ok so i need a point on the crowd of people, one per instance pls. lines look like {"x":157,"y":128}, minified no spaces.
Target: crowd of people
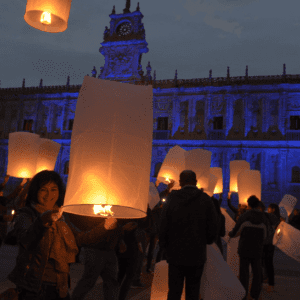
{"x":181,"y":224}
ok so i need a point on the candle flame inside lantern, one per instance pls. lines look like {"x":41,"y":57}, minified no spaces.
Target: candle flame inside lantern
{"x":46,"y":18}
{"x":103,"y":210}
{"x":167,"y":179}
{"x":163,"y":200}
{"x":278,"y":231}
{"x":12,"y":212}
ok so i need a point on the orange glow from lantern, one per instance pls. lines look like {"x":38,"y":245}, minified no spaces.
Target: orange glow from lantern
{"x":164,"y":200}
{"x":46,"y":18}
{"x":12,"y":212}
{"x":103,"y":210}
{"x":236,"y":166}
{"x":278,"y":231}
{"x":218,"y":173}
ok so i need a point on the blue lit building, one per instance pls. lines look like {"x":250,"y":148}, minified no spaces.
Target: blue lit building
{"x":249,"y":117}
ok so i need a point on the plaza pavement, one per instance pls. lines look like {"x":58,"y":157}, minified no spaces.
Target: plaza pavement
{"x":287,"y":278}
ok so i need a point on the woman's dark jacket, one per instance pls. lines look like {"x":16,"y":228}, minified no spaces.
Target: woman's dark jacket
{"x":34,"y":248}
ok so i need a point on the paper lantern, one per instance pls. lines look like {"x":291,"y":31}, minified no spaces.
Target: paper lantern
{"x":23,"y":150}
{"x":249,"y":183}
{"x":153,"y":195}
{"x":198,"y":160}
{"x":218,"y":173}
{"x":236,"y":166}
{"x":211,"y":184}
{"x":288,"y":202}
{"x":172,"y":166}
{"x":111,"y":146}
{"x":48,"y":15}
{"x":287,"y":239}
{"x":283,"y":213}
{"x":48,"y":152}
{"x":202,"y":182}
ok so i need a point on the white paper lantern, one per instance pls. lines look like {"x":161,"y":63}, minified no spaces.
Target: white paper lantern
{"x":172,"y":166}
{"x":249,"y":183}
{"x":236,"y":166}
{"x":23,"y":149}
{"x":218,"y":173}
{"x":202,"y":182}
{"x":153,"y":195}
{"x":287,"y":239}
{"x":288,"y":202}
{"x":49,"y":16}
{"x":283,"y":213}
{"x":211,"y":184}
{"x":48,"y":152}
{"x":111,"y":146}
{"x":198,"y":160}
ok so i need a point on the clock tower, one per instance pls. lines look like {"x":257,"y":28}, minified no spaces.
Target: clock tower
{"x":123,"y":46}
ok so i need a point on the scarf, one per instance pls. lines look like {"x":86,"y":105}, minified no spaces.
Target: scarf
{"x":63,"y":249}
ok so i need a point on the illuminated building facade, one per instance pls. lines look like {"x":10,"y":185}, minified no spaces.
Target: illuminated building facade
{"x":254,"y":118}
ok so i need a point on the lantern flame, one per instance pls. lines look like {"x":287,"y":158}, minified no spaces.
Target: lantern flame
{"x":46,"y":18}
{"x":168,"y":180}
{"x":12,"y":212}
{"x":103,"y":210}
{"x":278,"y":231}
{"x":164,"y":200}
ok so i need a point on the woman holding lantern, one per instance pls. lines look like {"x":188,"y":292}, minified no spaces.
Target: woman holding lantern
{"x":47,"y":244}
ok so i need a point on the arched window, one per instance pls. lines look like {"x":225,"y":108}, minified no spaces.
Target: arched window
{"x":296,"y":174}
{"x":157,"y":168}
{"x":66,"y":168}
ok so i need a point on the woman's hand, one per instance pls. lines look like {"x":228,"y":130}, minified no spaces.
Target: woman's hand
{"x":122,"y":246}
{"x":140,"y":247}
{"x":229,"y":195}
{"x":48,"y":217}
{"x":110,"y":223}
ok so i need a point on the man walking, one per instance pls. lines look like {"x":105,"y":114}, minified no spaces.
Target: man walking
{"x":188,"y":224}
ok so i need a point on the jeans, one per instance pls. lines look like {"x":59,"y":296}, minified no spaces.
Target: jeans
{"x":192,"y":276}
{"x":256,"y":266}
{"x":268,"y":256}
{"x":98,"y":263}
{"x":47,"y":292}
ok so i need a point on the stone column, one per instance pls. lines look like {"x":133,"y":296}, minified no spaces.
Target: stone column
{"x":175,"y":113}
{"x":265,"y":114}
{"x":229,"y":112}
{"x":283,"y":182}
{"x":207,"y":113}
{"x":192,"y":114}
{"x":51,"y":117}
{"x":282,"y":103}
{"x":247,"y":113}
{"x":20,"y":115}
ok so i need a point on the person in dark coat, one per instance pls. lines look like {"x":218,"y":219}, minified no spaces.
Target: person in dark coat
{"x":252,"y":229}
{"x":221,"y":224}
{"x":295,"y":220}
{"x":188,"y":225}
{"x":47,"y":243}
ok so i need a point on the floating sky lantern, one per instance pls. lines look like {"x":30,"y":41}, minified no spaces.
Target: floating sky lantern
{"x":23,"y":150}
{"x":48,"y":152}
{"x":211,"y":184}
{"x":198,"y":160}
{"x":153,"y":195}
{"x":236,"y":166}
{"x":288,"y":202}
{"x":287,"y":239}
{"x":111,"y":146}
{"x":172,"y":166}
{"x":249,"y":183}
{"x":48,"y":15}
{"x":218,"y":173}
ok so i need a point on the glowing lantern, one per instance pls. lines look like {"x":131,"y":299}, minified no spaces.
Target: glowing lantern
{"x":198,"y":160}
{"x":202,"y":182}
{"x":236,"y":166}
{"x":288,"y":202}
{"x":218,"y":173}
{"x":172,"y":166}
{"x":23,"y":149}
{"x":249,"y":183}
{"x":111,"y":146}
{"x":153,"y":195}
{"x":287,"y":239}
{"x":283,"y":213}
{"x":48,"y":152}
{"x":48,"y":15}
{"x":211,"y":184}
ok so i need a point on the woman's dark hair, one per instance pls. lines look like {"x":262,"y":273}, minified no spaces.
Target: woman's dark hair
{"x":276,"y":208}
{"x":262,"y":205}
{"x":253,"y":201}
{"x":39,"y":180}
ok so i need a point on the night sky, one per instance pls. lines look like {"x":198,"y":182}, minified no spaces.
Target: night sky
{"x":192,"y":36}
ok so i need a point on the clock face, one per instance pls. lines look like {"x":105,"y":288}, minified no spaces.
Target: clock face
{"x":124,"y":29}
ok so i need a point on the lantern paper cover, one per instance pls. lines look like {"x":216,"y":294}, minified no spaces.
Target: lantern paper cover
{"x":212,"y":183}
{"x":111,"y":146}
{"x":58,"y":9}
{"x":217,"y":281}
{"x":23,"y":150}
{"x":288,"y":202}
{"x":198,"y":160}
{"x":236,"y":166}
{"x":287,"y":239}
{"x":283,"y":213}
{"x":249,"y":183}
{"x":218,"y":173}
{"x":48,"y":152}
{"x":153,"y":195}
{"x":173,"y":165}
{"x":203,"y":182}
